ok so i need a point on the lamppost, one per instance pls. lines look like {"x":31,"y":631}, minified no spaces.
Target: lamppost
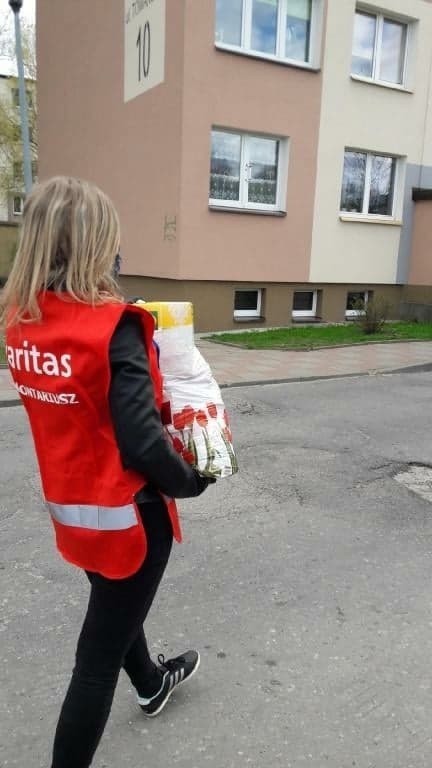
{"x":16,"y":6}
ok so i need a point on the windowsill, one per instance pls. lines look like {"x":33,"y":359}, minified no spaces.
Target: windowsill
{"x":267,"y":57}
{"x":359,"y":218}
{"x":254,"y":211}
{"x":381,"y":83}
{"x":251,"y":319}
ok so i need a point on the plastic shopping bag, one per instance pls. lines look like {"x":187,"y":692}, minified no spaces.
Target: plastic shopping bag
{"x":195,"y":416}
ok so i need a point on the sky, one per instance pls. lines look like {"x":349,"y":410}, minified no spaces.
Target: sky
{"x":27,"y":12}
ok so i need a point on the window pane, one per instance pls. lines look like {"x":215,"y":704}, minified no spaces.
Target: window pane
{"x":246,"y":301}
{"x":263,"y":166}
{"x":356,"y":301}
{"x":363,"y":44}
{"x":393,"y":52}
{"x":18,"y":170}
{"x":17,"y":205}
{"x":353,"y":182}
{"x":225,"y":166}
{"x":264,"y":25}
{"x":298,"y":23}
{"x":382,"y":183}
{"x":229,"y":21}
{"x":303,"y":301}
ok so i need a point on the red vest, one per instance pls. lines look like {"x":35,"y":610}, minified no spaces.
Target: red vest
{"x":60,"y":367}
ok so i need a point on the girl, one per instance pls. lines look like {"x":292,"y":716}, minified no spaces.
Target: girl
{"x":85,"y":366}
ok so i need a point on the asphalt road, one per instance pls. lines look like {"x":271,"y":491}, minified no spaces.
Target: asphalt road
{"x":305,"y":581}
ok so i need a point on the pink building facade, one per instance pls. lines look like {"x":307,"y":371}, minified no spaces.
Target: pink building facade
{"x":209,"y":124}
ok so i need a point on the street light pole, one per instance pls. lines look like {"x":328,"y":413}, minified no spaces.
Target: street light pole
{"x":16,"y":6}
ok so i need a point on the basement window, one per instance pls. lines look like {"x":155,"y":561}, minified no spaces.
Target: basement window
{"x":247,"y":303}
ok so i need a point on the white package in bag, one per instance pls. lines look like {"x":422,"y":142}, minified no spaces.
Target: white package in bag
{"x":195,"y":416}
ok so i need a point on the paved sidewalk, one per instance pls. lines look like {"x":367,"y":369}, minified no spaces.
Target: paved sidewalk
{"x":232,"y":366}
{"x":240,"y":366}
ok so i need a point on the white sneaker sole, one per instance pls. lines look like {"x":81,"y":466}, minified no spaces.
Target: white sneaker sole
{"x":165,"y":701}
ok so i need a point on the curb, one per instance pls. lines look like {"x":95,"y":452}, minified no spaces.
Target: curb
{"x":11,"y":403}
{"x":418,"y":368}
{"x":316,"y":349}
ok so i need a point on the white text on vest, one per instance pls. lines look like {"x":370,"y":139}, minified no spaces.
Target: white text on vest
{"x":30,"y":359}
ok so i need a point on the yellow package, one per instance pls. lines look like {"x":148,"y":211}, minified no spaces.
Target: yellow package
{"x":169,"y":314}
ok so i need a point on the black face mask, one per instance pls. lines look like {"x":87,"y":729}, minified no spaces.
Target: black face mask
{"x":116,"y":266}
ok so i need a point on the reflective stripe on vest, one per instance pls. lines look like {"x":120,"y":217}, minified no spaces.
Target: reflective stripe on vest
{"x":93,"y":517}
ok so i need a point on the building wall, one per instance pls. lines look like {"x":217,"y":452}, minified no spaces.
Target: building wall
{"x":235,"y":91}
{"x":420,"y":273}
{"x":152,"y":155}
{"x":375,"y":118}
{"x":5,"y":96}
{"x":4,"y":210}
{"x":416,"y":176}
{"x":213,"y":300}
{"x":11,"y":187}
{"x":132,"y":150}
{"x":8,"y":241}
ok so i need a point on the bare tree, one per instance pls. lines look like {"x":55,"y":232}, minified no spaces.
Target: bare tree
{"x":11,"y":153}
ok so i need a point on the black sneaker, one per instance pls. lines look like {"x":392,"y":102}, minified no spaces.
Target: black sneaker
{"x":175,"y":672}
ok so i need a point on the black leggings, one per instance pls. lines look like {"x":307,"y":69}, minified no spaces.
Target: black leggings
{"x":112,"y":637}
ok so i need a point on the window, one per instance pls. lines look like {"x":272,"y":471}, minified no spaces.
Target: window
{"x":304,"y":303}
{"x":279,"y":29}
{"x":246,"y":171}
{"x":247,"y":303}
{"x":18,"y":170}
{"x":16,"y":98}
{"x":356,"y":302}
{"x":17,"y":205}
{"x":368,"y":184}
{"x":379,"y":48}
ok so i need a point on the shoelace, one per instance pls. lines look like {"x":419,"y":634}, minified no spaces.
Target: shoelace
{"x":171,"y":664}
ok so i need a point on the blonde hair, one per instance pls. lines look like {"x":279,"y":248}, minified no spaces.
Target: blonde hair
{"x":69,"y":239}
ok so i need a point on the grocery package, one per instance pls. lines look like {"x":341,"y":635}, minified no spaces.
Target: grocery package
{"x":194,"y":414}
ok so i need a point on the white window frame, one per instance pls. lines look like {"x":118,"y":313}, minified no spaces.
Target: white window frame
{"x":282,"y":170}
{"x":245,"y":48}
{"x":14,"y":211}
{"x":376,"y":64}
{"x":364,"y":213}
{"x":249,"y":312}
{"x":357,"y":312}
{"x":306,"y":312}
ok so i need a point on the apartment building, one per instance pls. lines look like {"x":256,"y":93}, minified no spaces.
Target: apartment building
{"x":262,"y":154}
{"x":11,"y":164}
